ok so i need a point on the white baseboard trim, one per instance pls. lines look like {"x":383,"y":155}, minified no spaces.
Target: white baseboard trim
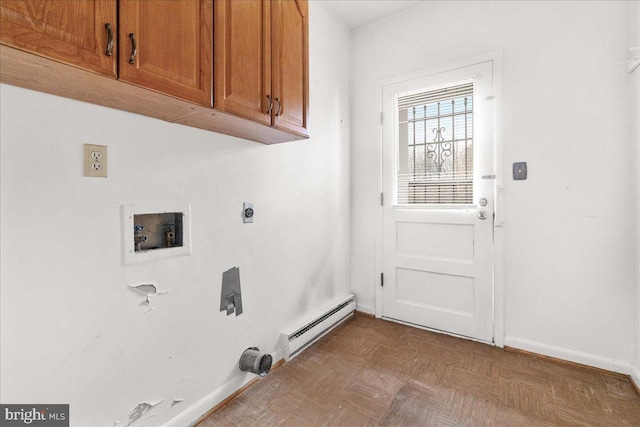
{"x":365,"y":308}
{"x":192,"y":414}
{"x":189,"y":416}
{"x":277,"y":356}
{"x":569,"y":355}
{"x":635,"y":376}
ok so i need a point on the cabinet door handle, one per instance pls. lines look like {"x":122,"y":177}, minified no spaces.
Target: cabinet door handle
{"x":270,"y":105}
{"x":134,"y":48}
{"x":279,"y":107}
{"x":109,"y":39}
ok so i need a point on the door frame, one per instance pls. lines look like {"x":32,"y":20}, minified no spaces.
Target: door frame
{"x":496,"y":57}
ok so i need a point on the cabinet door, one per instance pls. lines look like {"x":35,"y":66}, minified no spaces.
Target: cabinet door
{"x":242,"y":77}
{"x":166,"y":46}
{"x":69,"y":31}
{"x":290,"y":80}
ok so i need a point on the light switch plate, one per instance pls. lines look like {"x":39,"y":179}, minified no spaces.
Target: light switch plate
{"x":520,"y":171}
{"x":95,"y":160}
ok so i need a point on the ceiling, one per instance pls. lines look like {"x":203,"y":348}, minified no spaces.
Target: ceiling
{"x":357,"y":13}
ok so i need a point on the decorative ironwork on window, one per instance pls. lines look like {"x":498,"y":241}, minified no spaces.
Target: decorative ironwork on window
{"x":435,"y":146}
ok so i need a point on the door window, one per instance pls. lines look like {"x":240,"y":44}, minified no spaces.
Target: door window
{"x":435,"y":146}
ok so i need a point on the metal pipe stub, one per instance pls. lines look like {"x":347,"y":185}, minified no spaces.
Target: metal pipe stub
{"x":255,"y":362}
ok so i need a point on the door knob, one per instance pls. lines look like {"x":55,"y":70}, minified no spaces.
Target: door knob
{"x":483,"y":215}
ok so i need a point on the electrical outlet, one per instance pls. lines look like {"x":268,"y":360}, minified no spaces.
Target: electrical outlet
{"x":95,"y":160}
{"x":247,"y":212}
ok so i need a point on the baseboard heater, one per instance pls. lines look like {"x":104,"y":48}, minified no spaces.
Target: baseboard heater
{"x":301,"y":337}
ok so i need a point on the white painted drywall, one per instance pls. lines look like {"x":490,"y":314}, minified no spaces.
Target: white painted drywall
{"x":634,"y":41}
{"x":71,"y":330}
{"x":568,"y":263}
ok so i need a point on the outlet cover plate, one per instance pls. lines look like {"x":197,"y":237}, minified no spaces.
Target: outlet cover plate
{"x":247,"y":212}
{"x":95,"y":160}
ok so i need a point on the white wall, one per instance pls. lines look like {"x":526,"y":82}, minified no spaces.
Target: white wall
{"x":567,"y":246}
{"x":634,"y":41}
{"x":72,"y":332}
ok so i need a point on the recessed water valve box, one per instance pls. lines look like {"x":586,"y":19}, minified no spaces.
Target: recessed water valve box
{"x":155,"y":231}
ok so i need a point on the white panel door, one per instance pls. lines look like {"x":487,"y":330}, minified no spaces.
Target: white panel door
{"x":438,"y":210}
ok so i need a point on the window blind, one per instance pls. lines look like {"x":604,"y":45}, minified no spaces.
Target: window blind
{"x":433,"y":96}
{"x":435,"y":146}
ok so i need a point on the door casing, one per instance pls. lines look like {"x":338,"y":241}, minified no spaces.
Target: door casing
{"x":496,"y":57}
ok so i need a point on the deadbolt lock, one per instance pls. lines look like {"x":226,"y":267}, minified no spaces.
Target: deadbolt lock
{"x":482,"y":202}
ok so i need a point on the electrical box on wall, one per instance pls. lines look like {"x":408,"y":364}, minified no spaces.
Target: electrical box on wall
{"x":155,"y":231}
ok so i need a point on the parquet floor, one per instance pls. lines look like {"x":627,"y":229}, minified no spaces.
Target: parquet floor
{"x":371,"y":372}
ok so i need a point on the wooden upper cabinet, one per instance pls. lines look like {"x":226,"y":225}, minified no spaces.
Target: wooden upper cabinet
{"x":290,"y":64}
{"x":171,"y":56}
{"x":242,"y":77}
{"x":167,"y":46}
{"x":261,"y":61}
{"x":70,"y":31}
